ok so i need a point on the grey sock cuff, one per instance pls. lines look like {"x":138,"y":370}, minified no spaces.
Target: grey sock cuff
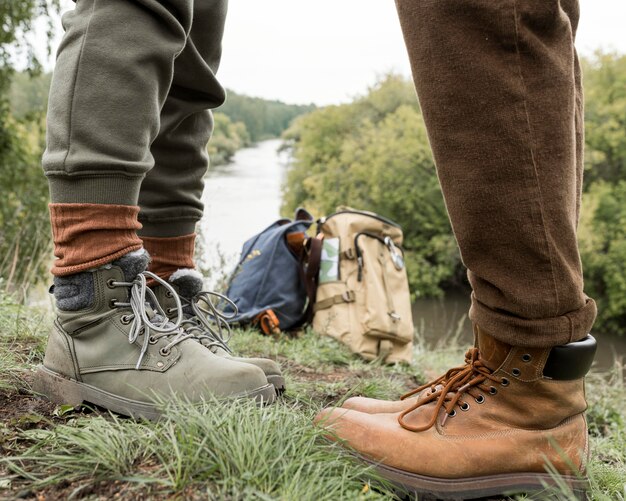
{"x":133,"y":263}
{"x":76,"y":292}
{"x":188,"y":282}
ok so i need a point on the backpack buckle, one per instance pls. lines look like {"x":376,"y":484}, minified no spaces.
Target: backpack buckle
{"x":349,"y":296}
{"x":268,"y":322}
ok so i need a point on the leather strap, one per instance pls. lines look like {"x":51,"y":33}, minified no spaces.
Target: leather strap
{"x":310,"y":269}
{"x":346,"y":297}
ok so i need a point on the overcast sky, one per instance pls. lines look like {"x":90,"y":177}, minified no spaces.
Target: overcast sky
{"x":328,"y":51}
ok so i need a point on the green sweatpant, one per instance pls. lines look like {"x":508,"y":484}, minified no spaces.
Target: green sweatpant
{"x":128,"y":117}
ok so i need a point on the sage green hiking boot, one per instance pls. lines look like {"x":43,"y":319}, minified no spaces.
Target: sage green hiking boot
{"x":108,"y":347}
{"x":208,"y":322}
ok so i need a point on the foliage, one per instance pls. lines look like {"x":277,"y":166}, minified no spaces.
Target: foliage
{"x":17,"y":22}
{"x":602,"y":235}
{"x":263,"y":118}
{"x":603,"y":218}
{"x":227,"y":138}
{"x":605,"y":118}
{"x":29,"y":94}
{"x":24,"y":225}
{"x":374,"y":154}
{"x":23,"y":213}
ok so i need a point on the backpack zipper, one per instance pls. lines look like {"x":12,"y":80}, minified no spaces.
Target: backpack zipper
{"x":387,"y":242}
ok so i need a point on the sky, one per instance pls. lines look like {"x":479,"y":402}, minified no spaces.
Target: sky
{"x":329,"y":51}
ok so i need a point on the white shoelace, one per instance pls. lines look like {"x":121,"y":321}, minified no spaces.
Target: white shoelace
{"x":159,"y":325}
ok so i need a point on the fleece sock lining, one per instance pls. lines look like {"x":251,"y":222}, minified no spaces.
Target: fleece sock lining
{"x":76,"y":292}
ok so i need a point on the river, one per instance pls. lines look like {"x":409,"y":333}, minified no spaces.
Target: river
{"x":244,"y":197}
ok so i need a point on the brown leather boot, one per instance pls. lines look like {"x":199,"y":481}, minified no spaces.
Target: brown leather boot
{"x":487,"y":428}
{"x":375,"y":406}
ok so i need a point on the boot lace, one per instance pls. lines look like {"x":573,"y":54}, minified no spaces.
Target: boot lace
{"x":208,"y":321}
{"x":155,"y":326}
{"x":448,"y":390}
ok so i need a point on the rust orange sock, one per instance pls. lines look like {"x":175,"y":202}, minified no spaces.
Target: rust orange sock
{"x":170,"y":253}
{"x":89,"y":235}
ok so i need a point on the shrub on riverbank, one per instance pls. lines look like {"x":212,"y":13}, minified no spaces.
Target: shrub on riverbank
{"x":373,"y":153}
{"x":228,"y":138}
{"x":24,"y":223}
{"x":602,"y":235}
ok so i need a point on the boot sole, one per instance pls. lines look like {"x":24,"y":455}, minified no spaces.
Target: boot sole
{"x":278,"y":382}
{"x":470,"y":488}
{"x":62,"y":390}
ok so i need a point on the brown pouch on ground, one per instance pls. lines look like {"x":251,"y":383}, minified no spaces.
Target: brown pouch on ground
{"x":362,"y":294}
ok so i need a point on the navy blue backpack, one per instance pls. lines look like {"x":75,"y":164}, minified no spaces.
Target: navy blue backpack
{"x":272,"y":285}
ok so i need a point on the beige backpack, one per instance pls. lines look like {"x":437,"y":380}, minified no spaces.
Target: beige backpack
{"x":362,"y":296}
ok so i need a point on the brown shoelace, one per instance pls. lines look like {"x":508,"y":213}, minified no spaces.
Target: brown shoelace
{"x":447,"y":390}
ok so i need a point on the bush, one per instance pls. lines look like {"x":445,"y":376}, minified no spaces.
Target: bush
{"x":373,"y":154}
{"x":602,"y":235}
{"x":228,"y":137}
{"x":24,"y":223}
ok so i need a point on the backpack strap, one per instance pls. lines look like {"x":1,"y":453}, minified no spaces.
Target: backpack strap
{"x":346,"y":297}
{"x":309,"y":271}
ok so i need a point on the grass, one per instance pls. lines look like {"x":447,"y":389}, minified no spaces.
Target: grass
{"x":234,"y":450}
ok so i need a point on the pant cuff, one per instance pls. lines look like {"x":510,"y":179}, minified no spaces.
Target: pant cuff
{"x":167,"y":228}
{"x":538,"y":332}
{"x":117,"y":189}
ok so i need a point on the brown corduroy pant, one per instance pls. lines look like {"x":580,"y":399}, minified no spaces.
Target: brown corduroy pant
{"x":500,"y":89}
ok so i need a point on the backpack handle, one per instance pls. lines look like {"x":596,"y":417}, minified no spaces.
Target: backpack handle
{"x":301,"y":214}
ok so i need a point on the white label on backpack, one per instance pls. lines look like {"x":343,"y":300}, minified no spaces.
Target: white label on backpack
{"x":329,"y":264}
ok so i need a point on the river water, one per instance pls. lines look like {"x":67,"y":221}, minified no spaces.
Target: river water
{"x":244,"y":197}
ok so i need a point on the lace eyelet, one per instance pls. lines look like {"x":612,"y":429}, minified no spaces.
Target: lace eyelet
{"x":526,"y":357}
{"x":113,"y":303}
{"x":452,"y":414}
{"x":125,"y":319}
{"x":516,"y":372}
{"x":464,"y":406}
{"x":111,"y":283}
{"x":164,"y":352}
{"x":504,"y":382}
{"x":152,"y":340}
{"x":168,"y":293}
{"x":169,"y":311}
{"x":493,"y":390}
{"x":480,"y":399}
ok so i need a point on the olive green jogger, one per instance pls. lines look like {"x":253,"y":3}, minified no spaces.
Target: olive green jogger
{"x":132,"y":88}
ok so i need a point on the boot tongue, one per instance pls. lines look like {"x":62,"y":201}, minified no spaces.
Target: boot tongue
{"x":493,"y":353}
{"x":188,"y":282}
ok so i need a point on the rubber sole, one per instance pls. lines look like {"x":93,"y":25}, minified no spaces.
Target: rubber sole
{"x":423,"y":487}
{"x":62,"y":390}
{"x":278,"y":382}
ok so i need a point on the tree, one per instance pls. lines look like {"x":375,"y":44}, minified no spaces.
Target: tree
{"x":23,"y":212}
{"x":605,"y":118}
